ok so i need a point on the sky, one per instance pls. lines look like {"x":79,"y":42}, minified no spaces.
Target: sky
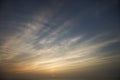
{"x":76,"y":39}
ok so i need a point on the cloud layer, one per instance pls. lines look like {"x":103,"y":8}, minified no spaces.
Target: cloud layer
{"x":49,"y":42}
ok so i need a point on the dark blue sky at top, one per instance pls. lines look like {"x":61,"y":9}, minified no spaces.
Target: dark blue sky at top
{"x":94,"y":16}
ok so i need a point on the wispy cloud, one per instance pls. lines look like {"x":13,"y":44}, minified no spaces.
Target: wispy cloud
{"x":45,"y":45}
{"x":53,"y":51}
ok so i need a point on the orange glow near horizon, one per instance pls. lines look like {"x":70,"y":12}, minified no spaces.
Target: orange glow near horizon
{"x":56,"y":67}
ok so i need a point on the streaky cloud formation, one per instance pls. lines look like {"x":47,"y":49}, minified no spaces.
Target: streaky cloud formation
{"x":54,"y":51}
{"x":60,"y":37}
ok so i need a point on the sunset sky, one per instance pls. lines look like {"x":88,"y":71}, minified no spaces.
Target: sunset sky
{"x":73,"y":38}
